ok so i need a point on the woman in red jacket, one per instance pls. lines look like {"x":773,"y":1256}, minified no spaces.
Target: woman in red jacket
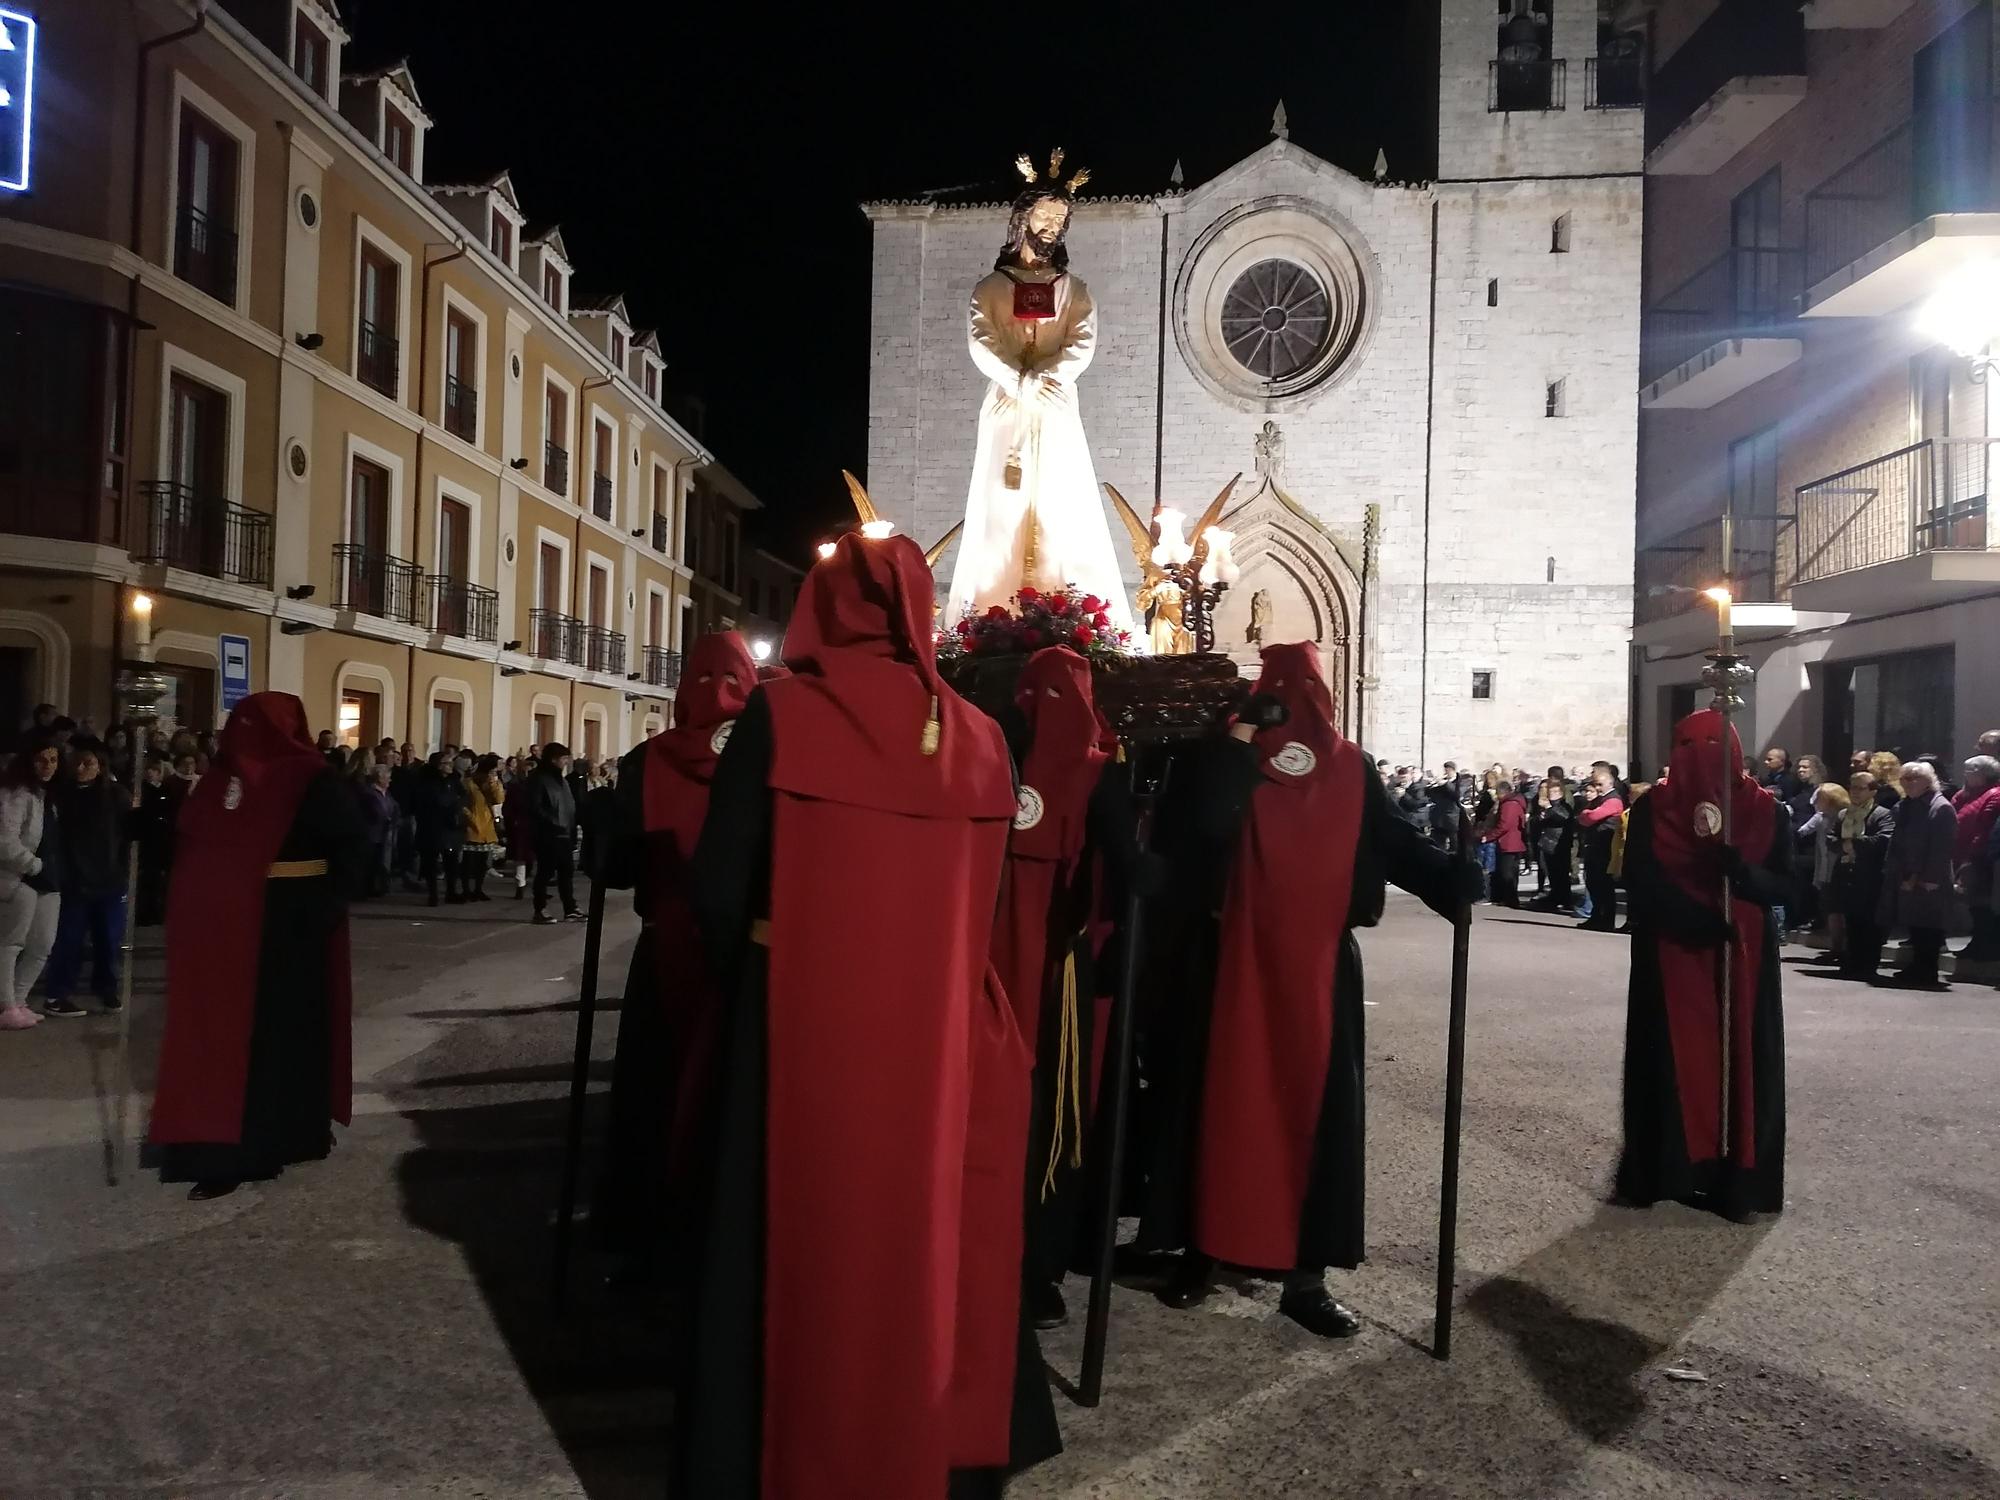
{"x":1509,"y":835}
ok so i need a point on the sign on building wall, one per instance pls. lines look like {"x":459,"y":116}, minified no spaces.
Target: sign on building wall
{"x":235,"y":659}
{"x":17,"y":97}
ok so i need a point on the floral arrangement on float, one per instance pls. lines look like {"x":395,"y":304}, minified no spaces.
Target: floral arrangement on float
{"x":1068,"y":617}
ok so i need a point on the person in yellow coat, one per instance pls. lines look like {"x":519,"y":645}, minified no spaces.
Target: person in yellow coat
{"x":479,"y":786}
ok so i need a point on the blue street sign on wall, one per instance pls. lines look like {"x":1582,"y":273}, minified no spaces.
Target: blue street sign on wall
{"x":17,"y":97}
{"x":235,"y":656}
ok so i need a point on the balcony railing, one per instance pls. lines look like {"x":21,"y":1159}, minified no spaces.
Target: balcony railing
{"x":1743,"y":554}
{"x":461,"y":409}
{"x":555,"y":468}
{"x":1740,"y":39}
{"x":1885,"y":190}
{"x":183,"y":529}
{"x":376,"y":364}
{"x":1538,"y":85}
{"x":600,"y":496}
{"x":603,"y":650}
{"x":1614,"y":82}
{"x":1744,"y":291}
{"x":374,"y":583}
{"x":469,"y":611}
{"x":661,"y":668}
{"x":205,"y":253}
{"x":1928,"y":497}
{"x":663,"y":536}
{"x":554,"y":636}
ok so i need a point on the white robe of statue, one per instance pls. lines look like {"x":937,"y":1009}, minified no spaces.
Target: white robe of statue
{"x":1053,"y":529}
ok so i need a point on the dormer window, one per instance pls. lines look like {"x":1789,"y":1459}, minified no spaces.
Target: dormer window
{"x":652,"y":381}
{"x":398,"y":138}
{"x":310,"y":54}
{"x":552,"y":287}
{"x":500,"y":240}
{"x":618,"y":348}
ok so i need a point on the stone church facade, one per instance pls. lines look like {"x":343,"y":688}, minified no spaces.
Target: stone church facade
{"x":1438,"y":447}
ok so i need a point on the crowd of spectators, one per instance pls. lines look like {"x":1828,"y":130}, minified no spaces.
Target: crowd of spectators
{"x":1900,"y":845}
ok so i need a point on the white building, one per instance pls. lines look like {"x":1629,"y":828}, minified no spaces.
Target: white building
{"x":1439,"y":465}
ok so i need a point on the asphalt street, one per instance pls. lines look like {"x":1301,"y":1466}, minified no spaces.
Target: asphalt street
{"x":380,"y":1324}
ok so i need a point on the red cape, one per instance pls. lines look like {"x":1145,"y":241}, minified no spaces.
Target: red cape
{"x":1686,"y":813}
{"x":1283,"y":919}
{"x":679,"y":765}
{"x":231,"y":829}
{"x":897,"y":1084}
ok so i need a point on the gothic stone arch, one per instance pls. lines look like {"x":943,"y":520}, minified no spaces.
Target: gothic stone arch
{"x":1312,"y":591}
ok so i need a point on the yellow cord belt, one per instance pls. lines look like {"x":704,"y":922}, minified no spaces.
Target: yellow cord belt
{"x":1069,"y":1077}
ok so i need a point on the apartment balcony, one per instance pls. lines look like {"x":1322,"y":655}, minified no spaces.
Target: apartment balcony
{"x":1614,"y":82}
{"x":1851,"y":15}
{"x":1742,"y":71}
{"x":461,"y":409}
{"x":1737,"y":553}
{"x":205,"y":254}
{"x":1908,"y":528}
{"x":663,"y":534}
{"x":367,"y":582}
{"x":1881,"y":234}
{"x":555,"y":468}
{"x":603,"y":650}
{"x":600,"y":496}
{"x":660,"y":667}
{"x":1721,"y":331}
{"x":469,"y":611}
{"x":196,"y":533}
{"x":1526,"y":87}
{"x":554,"y":636}
{"x":377,"y":358}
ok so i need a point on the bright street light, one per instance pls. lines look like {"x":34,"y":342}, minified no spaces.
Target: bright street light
{"x":1963,"y":313}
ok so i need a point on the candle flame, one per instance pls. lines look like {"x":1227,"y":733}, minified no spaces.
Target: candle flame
{"x":142,"y":604}
{"x":877,"y":530}
{"x":825,"y":550}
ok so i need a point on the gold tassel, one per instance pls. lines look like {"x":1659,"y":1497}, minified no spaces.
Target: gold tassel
{"x":1069,"y":1077}
{"x":933,"y":730}
{"x":1010,"y":475}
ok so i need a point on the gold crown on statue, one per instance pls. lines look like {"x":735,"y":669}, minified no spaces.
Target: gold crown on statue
{"x":1025,"y":165}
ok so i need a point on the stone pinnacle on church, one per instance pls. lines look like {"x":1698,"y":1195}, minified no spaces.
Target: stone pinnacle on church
{"x":1176,"y":177}
{"x":1280,"y":126}
{"x":1381,"y":165}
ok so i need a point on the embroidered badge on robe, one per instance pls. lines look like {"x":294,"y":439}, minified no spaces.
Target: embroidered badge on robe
{"x":1295,"y":759}
{"x":1027,"y":808}
{"x":232,"y":795}
{"x":720,"y":738}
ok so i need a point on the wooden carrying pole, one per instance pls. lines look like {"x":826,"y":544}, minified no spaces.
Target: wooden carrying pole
{"x":579,"y":1085}
{"x":1454,"y":1103}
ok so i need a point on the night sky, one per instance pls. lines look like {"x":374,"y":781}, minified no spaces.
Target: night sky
{"x":707,"y":160}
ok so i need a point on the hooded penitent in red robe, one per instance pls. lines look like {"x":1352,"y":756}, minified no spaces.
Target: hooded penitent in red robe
{"x":230,"y":832}
{"x":1283,"y":920}
{"x":1674,"y":864}
{"x":897,"y":1098}
{"x":674,"y":980}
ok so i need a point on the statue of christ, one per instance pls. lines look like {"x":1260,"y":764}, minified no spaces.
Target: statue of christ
{"x":1034,"y":516}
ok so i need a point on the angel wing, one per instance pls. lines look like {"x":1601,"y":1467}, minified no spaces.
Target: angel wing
{"x":936,"y":550}
{"x":1142,"y":531}
{"x":863,"y":506}
{"x":1211,"y":516}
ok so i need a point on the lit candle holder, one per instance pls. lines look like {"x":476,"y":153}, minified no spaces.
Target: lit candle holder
{"x":876,"y":531}
{"x":1172,"y":549}
{"x":1219,"y":566}
{"x":1722,"y":603}
{"x":142,"y":619}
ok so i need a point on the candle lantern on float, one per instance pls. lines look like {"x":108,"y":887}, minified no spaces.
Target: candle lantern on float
{"x":1184,"y":577}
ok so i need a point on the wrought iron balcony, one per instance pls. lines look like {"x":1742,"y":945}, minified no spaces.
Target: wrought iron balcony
{"x":1743,"y":293}
{"x":377,"y":360}
{"x":375,"y":583}
{"x":205,"y":253}
{"x":184,"y":529}
{"x":469,"y":611}
{"x":1928,"y":497}
{"x":600,"y":496}
{"x":1525,"y":86}
{"x":555,"y":468}
{"x":1740,"y":554}
{"x":1614,"y":82}
{"x":661,"y":667}
{"x":603,"y":650}
{"x":461,"y":409}
{"x":663,"y":533}
{"x":554,"y":636}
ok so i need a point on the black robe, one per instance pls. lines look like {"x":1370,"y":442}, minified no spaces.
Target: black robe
{"x":285,"y":1091}
{"x":1654,"y":1163}
{"x":1198,"y":825}
{"x":717,"y":1433}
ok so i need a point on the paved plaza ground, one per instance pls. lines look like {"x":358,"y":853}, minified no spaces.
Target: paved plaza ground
{"x":379,"y":1325}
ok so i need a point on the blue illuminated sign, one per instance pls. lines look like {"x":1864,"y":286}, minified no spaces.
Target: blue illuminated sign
{"x":17,"y":97}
